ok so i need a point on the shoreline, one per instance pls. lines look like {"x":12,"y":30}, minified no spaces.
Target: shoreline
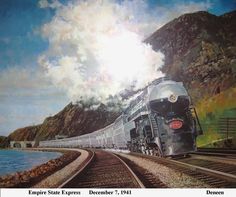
{"x":29,"y":178}
{"x":59,"y":177}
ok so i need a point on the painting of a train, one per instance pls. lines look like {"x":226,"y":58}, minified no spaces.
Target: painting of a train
{"x":160,"y":121}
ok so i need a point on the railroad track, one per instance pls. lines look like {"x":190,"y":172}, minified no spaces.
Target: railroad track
{"x":217,"y":150}
{"x":104,"y":170}
{"x":225,"y":165}
{"x":215,"y":174}
{"x":216,"y":159}
{"x":229,"y":153}
{"x":148,"y":179}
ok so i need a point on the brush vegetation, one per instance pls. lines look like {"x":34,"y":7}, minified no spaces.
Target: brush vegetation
{"x":210,"y":111}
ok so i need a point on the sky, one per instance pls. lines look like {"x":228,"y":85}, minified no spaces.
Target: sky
{"x":58,"y":51}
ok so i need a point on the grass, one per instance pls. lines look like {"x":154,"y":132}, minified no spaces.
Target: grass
{"x":210,"y":110}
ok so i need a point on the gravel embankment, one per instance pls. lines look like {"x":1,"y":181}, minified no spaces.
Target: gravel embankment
{"x":39,"y":176}
{"x":170,"y":177}
{"x":60,"y":176}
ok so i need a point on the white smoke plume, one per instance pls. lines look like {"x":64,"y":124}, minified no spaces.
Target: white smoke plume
{"x":96,"y":49}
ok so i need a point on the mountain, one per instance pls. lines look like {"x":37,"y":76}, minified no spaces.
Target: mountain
{"x":73,"y":120}
{"x":200,"y":50}
{"x":27,"y":133}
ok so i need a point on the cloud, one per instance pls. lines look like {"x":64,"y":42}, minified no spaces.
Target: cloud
{"x":45,"y":4}
{"x":19,"y":80}
{"x":20,"y":77}
{"x":27,"y":97}
{"x":96,"y":49}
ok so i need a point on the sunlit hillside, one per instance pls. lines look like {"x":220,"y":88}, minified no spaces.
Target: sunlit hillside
{"x":210,"y":111}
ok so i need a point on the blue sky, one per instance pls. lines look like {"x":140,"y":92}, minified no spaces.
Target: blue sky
{"x":20,"y":43}
{"x":26,"y":95}
{"x":218,"y":6}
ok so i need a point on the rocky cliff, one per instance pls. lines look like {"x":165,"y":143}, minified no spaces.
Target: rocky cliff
{"x":200,"y":50}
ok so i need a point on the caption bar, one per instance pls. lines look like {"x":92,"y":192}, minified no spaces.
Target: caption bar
{"x":116,"y":192}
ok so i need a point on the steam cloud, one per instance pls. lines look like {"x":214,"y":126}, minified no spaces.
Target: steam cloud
{"x":96,"y":49}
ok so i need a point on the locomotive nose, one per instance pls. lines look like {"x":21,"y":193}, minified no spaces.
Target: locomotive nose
{"x":169,"y":90}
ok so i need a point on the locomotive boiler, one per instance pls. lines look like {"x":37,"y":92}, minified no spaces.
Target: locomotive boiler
{"x":160,"y":121}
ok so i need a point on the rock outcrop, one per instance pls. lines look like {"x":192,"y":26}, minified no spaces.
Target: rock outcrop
{"x":200,"y":50}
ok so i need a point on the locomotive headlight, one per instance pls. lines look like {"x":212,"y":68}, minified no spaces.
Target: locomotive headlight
{"x":173,"y":98}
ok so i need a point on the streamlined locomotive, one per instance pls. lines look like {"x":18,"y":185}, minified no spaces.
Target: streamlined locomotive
{"x":165,"y":123}
{"x":160,"y":121}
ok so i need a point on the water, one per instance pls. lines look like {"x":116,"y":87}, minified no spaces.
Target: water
{"x":17,"y":160}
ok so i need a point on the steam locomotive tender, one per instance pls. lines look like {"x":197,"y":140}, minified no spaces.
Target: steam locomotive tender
{"x":160,"y":121}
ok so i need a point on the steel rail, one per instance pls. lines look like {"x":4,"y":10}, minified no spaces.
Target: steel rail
{"x":149,"y":180}
{"x":226,"y":160}
{"x":217,"y":174}
{"x":216,"y":150}
{"x":140,"y":183}
{"x":225,"y":155}
{"x":82,"y":168}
